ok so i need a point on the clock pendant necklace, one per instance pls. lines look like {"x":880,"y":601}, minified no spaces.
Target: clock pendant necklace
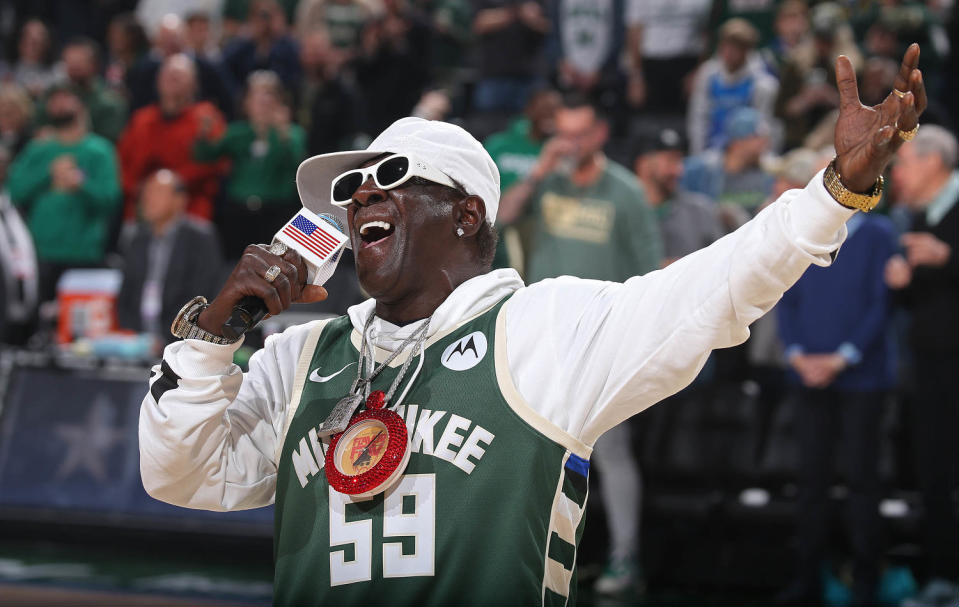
{"x":369,"y":451}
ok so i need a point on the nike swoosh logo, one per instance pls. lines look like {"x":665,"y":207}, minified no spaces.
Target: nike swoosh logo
{"x":315,"y":375}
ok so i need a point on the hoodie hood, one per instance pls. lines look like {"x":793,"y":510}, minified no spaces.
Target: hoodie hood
{"x":466,"y":301}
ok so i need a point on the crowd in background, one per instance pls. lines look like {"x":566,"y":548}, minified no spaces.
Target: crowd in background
{"x":161,"y":137}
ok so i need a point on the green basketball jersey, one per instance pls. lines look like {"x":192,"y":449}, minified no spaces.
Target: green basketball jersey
{"x":489,"y":510}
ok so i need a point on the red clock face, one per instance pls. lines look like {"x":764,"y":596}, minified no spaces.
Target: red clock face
{"x":370,"y":455}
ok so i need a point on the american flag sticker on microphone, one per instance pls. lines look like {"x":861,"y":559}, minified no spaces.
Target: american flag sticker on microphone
{"x":315,"y":237}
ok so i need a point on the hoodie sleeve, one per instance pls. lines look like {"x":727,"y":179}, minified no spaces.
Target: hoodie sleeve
{"x":208,"y":432}
{"x":586,"y":355}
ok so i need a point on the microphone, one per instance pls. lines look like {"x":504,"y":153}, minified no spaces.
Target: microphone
{"x":319,"y":239}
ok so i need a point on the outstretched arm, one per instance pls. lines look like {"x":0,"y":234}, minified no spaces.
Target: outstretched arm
{"x":587,"y":355}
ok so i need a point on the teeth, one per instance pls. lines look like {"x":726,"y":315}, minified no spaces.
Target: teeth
{"x":374,"y":224}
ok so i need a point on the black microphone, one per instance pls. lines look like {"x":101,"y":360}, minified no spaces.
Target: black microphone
{"x":319,"y":240}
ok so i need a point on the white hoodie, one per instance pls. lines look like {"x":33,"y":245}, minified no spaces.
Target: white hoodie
{"x":584,"y":355}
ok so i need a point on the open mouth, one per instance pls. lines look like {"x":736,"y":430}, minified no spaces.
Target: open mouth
{"x":374,"y":232}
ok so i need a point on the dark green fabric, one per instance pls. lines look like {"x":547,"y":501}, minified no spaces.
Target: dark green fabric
{"x":270,"y":177}
{"x":604,"y":231}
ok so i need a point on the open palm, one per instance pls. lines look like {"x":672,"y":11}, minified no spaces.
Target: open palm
{"x":867,"y":137}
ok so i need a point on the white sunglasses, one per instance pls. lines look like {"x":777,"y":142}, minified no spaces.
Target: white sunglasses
{"x":387,"y":174}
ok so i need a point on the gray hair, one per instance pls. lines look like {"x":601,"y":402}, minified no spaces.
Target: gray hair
{"x":934,"y":139}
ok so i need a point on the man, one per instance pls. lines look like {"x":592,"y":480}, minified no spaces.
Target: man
{"x":266,"y":46}
{"x":162,"y":135}
{"x":841,"y":367}
{"x":68,"y":188}
{"x":511,"y":386}
{"x":510,"y":36}
{"x":926,"y":180}
{"x":161,"y":268}
{"x":687,"y":221}
{"x":107,"y":110}
{"x":173,"y":38}
{"x":515,"y":152}
{"x":327,"y":104}
{"x":590,"y":219}
{"x":665,"y":41}
{"x":734,"y":78}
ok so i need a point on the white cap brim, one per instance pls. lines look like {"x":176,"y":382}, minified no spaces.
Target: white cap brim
{"x":315,"y":176}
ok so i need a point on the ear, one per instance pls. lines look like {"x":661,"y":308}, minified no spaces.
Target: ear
{"x":469,"y":213}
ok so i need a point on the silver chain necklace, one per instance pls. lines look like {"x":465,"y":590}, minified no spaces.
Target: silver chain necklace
{"x":339,"y":417}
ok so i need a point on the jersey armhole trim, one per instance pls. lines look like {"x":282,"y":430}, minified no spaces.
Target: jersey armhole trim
{"x":519,"y":405}
{"x":299,"y":381}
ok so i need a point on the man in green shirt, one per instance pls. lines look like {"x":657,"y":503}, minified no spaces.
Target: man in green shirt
{"x":592,"y":221}
{"x":107,"y":110}
{"x":515,"y":152}
{"x":67,"y":185}
{"x":591,"y":217}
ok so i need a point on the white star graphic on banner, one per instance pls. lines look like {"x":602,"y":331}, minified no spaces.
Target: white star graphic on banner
{"x":89,"y":443}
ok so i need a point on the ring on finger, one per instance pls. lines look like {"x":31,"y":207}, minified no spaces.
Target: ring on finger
{"x":908,"y":135}
{"x":271,"y":273}
{"x":899,"y":93}
{"x":278,"y":248}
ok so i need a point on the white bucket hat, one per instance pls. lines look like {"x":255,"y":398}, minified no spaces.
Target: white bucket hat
{"x":444,"y":146}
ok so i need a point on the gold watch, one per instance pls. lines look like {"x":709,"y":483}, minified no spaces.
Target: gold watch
{"x":847,"y":198}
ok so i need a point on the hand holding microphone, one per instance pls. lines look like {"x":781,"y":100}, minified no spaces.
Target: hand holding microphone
{"x":268,"y":279}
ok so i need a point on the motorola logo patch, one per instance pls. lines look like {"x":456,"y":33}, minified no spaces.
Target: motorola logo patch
{"x":466,"y":352}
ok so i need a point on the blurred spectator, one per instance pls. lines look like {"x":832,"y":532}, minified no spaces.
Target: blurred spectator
{"x":515,"y":152}
{"x":152,"y":13}
{"x":733,"y":175}
{"x":215,"y":85}
{"x":393,"y":68}
{"x":510,"y":35}
{"x":807,"y":90}
{"x":161,"y":135}
{"x":592,"y":221}
{"x":169,"y":259}
{"x":791,"y":29}
{"x":688,"y":221}
{"x":761,"y":14}
{"x":734,"y":78}
{"x":591,"y":218}
{"x":34,"y":70}
{"x":886,"y":28}
{"x":327,"y":104}
{"x":841,"y":362}
{"x":265,"y":150}
{"x":586,"y":43}
{"x":16,"y":116}
{"x":68,"y":187}
{"x":452,"y":38}
{"x":265,"y":46}
{"x":666,"y":39}
{"x":344,"y":20}
{"x":18,"y":267}
{"x":127,"y":43}
{"x":927,"y":182}
{"x":200,"y":41}
{"x":106,"y":109}
{"x":236,"y":12}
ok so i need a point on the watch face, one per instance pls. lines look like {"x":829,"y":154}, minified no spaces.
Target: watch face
{"x":370,"y":455}
{"x":362,"y":447}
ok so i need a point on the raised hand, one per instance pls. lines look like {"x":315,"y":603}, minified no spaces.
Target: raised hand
{"x":867,"y":137}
